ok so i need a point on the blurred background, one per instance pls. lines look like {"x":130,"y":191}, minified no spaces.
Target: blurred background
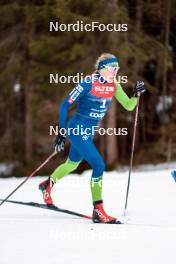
{"x":29,"y":52}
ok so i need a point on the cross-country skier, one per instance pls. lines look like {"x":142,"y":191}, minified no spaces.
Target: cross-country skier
{"x":93,"y":96}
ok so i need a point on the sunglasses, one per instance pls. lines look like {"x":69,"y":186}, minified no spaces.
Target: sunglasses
{"x":112,"y":69}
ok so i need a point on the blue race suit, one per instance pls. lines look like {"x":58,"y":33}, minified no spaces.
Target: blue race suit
{"x":93,"y":96}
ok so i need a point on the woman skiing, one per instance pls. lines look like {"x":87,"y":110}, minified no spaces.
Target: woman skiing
{"x":93,"y":96}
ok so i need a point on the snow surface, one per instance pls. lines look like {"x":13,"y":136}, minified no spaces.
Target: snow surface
{"x":33,"y":235}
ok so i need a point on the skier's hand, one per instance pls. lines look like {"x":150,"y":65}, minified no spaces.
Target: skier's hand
{"x":59,"y":143}
{"x":139,"y":88}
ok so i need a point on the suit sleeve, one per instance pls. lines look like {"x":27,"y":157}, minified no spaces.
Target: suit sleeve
{"x":128,"y":103}
{"x":73,"y":97}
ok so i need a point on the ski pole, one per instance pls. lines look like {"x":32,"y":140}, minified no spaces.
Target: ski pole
{"x":28,"y":177}
{"x":132,"y":154}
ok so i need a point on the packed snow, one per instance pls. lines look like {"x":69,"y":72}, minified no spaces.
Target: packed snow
{"x":33,"y":235}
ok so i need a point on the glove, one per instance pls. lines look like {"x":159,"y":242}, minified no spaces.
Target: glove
{"x":59,"y":143}
{"x":139,"y":88}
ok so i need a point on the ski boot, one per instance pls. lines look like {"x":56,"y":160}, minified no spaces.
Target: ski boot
{"x":45,"y":187}
{"x":100,"y":216}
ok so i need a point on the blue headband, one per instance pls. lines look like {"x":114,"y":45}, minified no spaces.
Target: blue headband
{"x":107,"y":61}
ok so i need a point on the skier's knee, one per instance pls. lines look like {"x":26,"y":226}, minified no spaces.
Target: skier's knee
{"x":71,"y":165}
{"x":101,"y":167}
{"x":98,"y":168}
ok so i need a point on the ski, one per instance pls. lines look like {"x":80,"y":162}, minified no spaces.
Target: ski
{"x":53,"y":208}
{"x":48,"y":207}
